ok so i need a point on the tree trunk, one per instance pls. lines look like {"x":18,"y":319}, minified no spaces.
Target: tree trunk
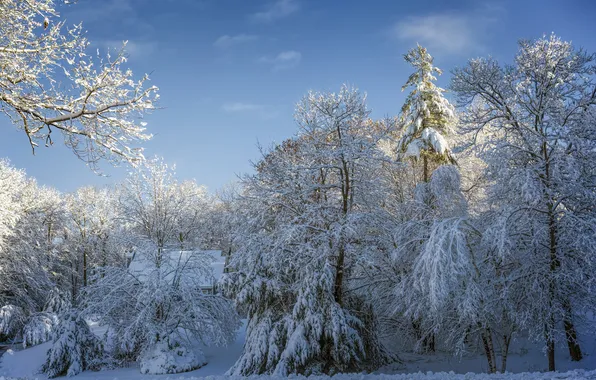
{"x":574,"y":349}
{"x":550,"y":353}
{"x":489,"y":350}
{"x":429,"y":342}
{"x":85,"y":267}
{"x":339,"y":276}
{"x":505,"y":351}
{"x":554,"y":264}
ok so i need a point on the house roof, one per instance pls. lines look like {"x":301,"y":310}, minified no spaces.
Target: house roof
{"x":202,"y":267}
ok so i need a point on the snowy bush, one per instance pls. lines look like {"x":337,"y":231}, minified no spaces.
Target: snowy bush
{"x":170,"y":356}
{"x":39,"y":328}
{"x":12,"y":319}
{"x":58,"y":302}
{"x":75,"y":348}
{"x":165,"y":302}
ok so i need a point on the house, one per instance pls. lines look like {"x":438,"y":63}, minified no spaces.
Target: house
{"x":203,"y":268}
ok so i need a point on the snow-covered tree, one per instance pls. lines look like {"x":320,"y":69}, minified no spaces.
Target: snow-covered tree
{"x":158,"y":308}
{"x":426,"y":116}
{"x":164,"y":211}
{"x":95,"y":234}
{"x":538,"y":119}
{"x":11,"y":182}
{"x":300,"y":235}
{"x":426,"y":120}
{"x":30,"y":260}
{"x":75,"y":348}
{"x":49,"y":82}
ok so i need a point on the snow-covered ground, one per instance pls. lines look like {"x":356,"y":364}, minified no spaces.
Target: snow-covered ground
{"x":26,"y":363}
{"x":525,"y":357}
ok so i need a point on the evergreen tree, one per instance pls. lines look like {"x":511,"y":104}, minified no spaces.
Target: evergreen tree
{"x":426,"y":116}
{"x":75,"y":348}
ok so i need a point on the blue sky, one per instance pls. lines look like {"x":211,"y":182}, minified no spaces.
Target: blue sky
{"x":230,"y":71}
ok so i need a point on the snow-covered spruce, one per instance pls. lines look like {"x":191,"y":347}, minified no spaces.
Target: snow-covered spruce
{"x":426,"y":116}
{"x":74,"y":349}
{"x":39,"y":328}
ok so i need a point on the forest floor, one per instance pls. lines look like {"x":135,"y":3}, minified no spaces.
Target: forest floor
{"x":526,"y":361}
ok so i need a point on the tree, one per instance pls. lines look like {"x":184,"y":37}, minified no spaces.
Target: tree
{"x":538,"y":115}
{"x":95,"y":233}
{"x":30,"y":261}
{"x":48,"y":82}
{"x":426,"y":116}
{"x":300,"y":237}
{"x":11,"y":182}
{"x":160,"y":310}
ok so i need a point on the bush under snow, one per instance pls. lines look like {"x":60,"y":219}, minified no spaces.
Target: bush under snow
{"x":39,"y":328}
{"x":170,"y":356}
{"x":75,"y":348}
{"x":12,"y":319}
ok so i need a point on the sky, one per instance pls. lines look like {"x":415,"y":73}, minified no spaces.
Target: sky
{"x":231,"y":71}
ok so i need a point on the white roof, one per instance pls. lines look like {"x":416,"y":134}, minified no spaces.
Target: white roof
{"x":203,"y":267}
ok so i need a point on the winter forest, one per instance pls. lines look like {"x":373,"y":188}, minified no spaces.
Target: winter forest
{"x":459,"y":226}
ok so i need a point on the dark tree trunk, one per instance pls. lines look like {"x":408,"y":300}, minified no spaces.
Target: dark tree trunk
{"x":554,"y":265}
{"x":489,"y":350}
{"x":339,"y":276}
{"x":505,"y":351}
{"x":429,"y":342}
{"x":550,"y":353}
{"x":574,"y":349}
{"x":85,"y":267}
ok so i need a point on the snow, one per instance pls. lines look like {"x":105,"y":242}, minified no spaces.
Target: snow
{"x":26,"y":363}
{"x":524,"y":357}
{"x":161,"y":358}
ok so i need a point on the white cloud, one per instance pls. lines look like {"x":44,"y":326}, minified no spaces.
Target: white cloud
{"x":226,"y":41}
{"x":263,"y":111}
{"x":284,"y":60}
{"x":449,"y":33}
{"x":276,"y":11}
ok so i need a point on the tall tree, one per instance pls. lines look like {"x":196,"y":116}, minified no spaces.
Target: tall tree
{"x":426,"y":119}
{"x":300,"y":240}
{"x":539,"y":115}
